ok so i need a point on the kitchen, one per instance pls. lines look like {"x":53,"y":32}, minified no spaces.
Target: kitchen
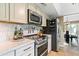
{"x":17,"y":31}
{"x":27,"y":30}
{"x":22,"y":32}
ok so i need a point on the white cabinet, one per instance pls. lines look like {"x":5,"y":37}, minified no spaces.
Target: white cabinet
{"x":18,"y":12}
{"x":4,"y":12}
{"x":40,"y":12}
{"x":30,"y":53}
{"x":26,"y":50}
{"x":32,"y":7}
{"x":49,"y":43}
{"x":43,"y":20}
{"x":26,"y":13}
{"x":7,"y":53}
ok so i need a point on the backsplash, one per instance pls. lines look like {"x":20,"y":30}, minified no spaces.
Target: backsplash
{"x":7,"y":30}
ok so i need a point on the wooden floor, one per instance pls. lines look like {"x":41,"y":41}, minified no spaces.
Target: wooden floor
{"x":63,"y":53}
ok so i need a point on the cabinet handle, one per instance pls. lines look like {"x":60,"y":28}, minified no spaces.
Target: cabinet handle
{"x":27,"y":48}
{"x":29,"y":54}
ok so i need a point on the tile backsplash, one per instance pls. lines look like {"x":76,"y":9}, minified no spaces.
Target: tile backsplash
{"x":7,"y":30}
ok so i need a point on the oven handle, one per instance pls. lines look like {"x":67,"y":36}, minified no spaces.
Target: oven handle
{"x":41,"y":44}
{"x":44,"y":52}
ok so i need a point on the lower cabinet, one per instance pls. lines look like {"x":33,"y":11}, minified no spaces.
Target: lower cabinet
{"x":21,"y":50}
{"x":49,"y":42}
{"x":26,"y":50}
{"x":30,"y":53}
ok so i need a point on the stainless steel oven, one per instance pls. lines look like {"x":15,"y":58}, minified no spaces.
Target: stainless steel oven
{"x":41,"y":45}
{"x":42,"y":49}
{"x":34,"y":17}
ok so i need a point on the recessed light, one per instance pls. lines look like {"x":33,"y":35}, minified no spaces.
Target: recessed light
{"x":44,"y":4}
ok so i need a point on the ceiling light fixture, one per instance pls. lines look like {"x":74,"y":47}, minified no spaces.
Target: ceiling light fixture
{"x":44,"y":4}
{"x":75,"y":4}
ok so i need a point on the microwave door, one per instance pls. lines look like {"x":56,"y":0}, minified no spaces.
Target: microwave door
{"x":34,"y":18}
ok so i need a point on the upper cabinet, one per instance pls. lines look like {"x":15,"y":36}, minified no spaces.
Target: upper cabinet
{"x":38,"y":10}
{"x":18,"y":12}
{"x":4,"y":12}
{"x":43,"y":21}
{"x":43,"y":18}
{"x":32,"y":7}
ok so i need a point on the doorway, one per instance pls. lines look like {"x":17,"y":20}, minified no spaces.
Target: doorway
{"x":73,"y":29}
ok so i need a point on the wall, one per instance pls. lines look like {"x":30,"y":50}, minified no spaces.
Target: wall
{"x":74,"y":17}
{"x":7,"y":30}
{"x":61,"y":28}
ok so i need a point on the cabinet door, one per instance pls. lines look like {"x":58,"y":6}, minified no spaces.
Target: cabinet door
{"x":43,"y":20}
{"x":38,"y":10}
{"x":43,"y":16}
{"x":49,"y":43}
{"x":26,"y":13}
{"x":32,"y":7}
{"x":4,"y":12}
{"x":18,"y":12}
{"x":25,"y":50}
{"x":30,"y":53}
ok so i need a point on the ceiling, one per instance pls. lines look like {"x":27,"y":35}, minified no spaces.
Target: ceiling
{"x":54,"y":10}
{"x":49,"y":9}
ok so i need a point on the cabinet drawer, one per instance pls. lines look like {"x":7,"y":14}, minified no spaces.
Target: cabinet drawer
{"x":24,"y":49}
{"x":29,"y":53}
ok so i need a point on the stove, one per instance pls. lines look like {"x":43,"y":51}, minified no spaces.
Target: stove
{"x":38,"y":40}
{"x":41,"y":45}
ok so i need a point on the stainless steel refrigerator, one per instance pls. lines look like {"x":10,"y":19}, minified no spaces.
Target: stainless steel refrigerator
{"x":53,"y":29}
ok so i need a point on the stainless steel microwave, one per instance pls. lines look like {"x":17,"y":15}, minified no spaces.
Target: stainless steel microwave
{"x":34,"y":17}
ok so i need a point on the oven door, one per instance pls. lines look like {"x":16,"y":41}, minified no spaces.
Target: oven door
{"x":42,"y":50}
{"x":34,"y":17}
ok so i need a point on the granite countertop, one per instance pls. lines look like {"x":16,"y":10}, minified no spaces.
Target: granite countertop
{"x":14,"y":43}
